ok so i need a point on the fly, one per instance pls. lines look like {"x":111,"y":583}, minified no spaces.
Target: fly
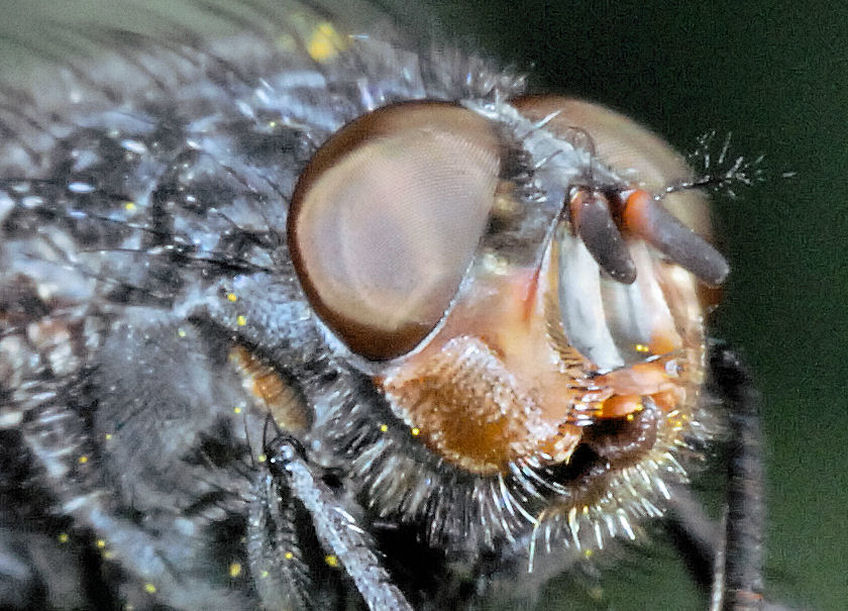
{"x":295,"y":316}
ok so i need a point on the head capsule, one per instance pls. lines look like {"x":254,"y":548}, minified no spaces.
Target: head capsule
{"x":519,"y":283}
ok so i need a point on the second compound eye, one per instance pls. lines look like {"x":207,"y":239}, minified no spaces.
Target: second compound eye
{"x":386,"y":218}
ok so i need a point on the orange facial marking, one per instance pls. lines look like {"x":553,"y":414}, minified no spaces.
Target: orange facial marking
{"x":618,"y":406}
{"x":637,"y":209}
{"x":467,"y":406}
{"x":644,"y":378}
{"x":489,"y":388}
{"x":669,"y":400}
{"x":664,"y":343}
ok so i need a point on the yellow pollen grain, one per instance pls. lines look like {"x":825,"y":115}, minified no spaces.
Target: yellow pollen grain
{"x":261,"y":458}
{"x":108,"y":554}
{"x":237,"y":410}
{"x":241,"y":320}
{"x":150,"y":588}
{"x":264,"y":574}
{"x":82,"y":459}
{"x":181,"y":332}
{"x":641,"y":348}
{"x":63,"y":537}
{"x":235,"y":569}
{"x":415,"y":431}
{"x":587,"y":553}
{"x":331,"y":560}
{"x":288,"y":555}
{"x":101,"y":543}
{"x":232,"y":297}
{"x":108,"y":436}
{"x":325,"y":43}
{"x":384,"y":428}
{"x":629,"y":417}
{"x":129,"y":206}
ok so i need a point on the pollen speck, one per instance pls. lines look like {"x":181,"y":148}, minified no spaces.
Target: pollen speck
{"x":232,"y":297}
{"x":415,"y":431}
{"x":108,"y":436}
{"x":325,"y":43}
{"x":331,"y":560}
{"x":235,"y":569}
{"x":264,"y":574}
{"x":63,"y":537}
{"x":101,"y":543}
{"x":181,"y":332}
{"x":82,"y":459}
{"x":150,"y":588}
{"x":384,"y":428}
{"x":129,"y":206}
{"x":288,"y":555}
{"x":236,"y":410}
{"x":261,"y":458}
{"x":241,"y":320}
{"x":641,"y":348}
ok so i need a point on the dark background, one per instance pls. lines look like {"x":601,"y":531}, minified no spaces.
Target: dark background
{"x":775,"y":74}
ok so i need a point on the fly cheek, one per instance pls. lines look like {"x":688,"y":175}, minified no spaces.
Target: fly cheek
{"x":386,"y":218}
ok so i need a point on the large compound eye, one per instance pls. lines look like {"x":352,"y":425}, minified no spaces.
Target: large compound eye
{"x":386,"y":218}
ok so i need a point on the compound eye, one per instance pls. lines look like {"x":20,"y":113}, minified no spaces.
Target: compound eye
{"x":386,"y":218}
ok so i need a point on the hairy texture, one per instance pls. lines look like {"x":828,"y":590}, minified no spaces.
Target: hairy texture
{"x":150,"y":317}
{"x":144,"y":183}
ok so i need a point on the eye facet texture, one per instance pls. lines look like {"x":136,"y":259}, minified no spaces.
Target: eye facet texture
{"x":386,"y":218}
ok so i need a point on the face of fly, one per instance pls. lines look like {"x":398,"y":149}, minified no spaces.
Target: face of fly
{"x":524,"y":288}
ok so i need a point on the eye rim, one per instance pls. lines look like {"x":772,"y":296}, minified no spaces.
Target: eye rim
{"x":449,"y":118}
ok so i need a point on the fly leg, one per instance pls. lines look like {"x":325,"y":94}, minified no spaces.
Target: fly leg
{"x":335,"y":527}
{"x":728,"y":557}
{"x":742,"y":556}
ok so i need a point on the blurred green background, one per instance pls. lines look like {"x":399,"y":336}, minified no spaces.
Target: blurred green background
{"x":775,"y":74}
